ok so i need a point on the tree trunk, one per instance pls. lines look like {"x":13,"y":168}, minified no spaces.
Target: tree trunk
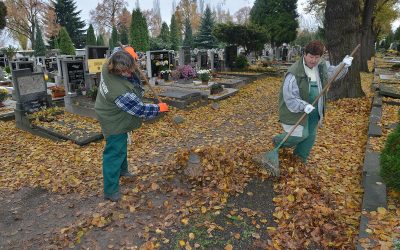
{"x":342,"y":36}
{"x":366,"y":33}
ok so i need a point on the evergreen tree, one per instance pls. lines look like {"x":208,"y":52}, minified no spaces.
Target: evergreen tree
{"x":68,"y":17}
{"x":40,"y":48}
{"x":3,"y":14}
{"x":188,"y":41}
{"x":113,"y":42}
{"x":100,"y":40}
{"x":277,"y":17}
{"x":205,"y":39}
{"x":139,"y":32}
{"x":90,"y":36}
{"x":164,"y":34}
{"x":174,"y":34}
{"x":65,"y":43}
{"x":124,"y":35}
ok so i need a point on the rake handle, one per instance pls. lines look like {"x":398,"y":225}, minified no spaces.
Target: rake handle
{"x":144,"y":77}
{"x":331,"y":80}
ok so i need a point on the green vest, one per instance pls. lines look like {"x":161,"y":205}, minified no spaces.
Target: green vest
{"x":297,"y":69}
{"x":114,"y":120}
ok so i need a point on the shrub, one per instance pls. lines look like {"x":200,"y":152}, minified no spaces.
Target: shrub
{"x":204,"y":75}
{"x":3,"y":94}
{"x":396,"y":66}
{"x":390,"y":160}
{"x":216,"y":88}
{"x":7,"y":69}
{"x":186,"y":72}
{"x":241,"y":62}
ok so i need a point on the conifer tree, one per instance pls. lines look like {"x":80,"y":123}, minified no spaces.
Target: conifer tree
{"x":3,"y":14}
{"x":68,"y":16}
{"x":164,"y":34}
{"x":174,"y":33}
{"x":90,"y":36}
{"x":65,"y":43}
{"x":188,"y":41}
{"x":124,"y":38}
{"x":100,"y":40}
{"x":139,"y":32}
{"x":40,"y":48}
{"x":205,"y":39}
{"x":113,"y":42}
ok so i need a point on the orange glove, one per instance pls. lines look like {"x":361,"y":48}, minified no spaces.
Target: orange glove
{"x":131,"y":52}
{"x":163,"y":107}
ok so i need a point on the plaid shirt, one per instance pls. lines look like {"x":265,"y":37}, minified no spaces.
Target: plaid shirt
{"x":132,"y":104}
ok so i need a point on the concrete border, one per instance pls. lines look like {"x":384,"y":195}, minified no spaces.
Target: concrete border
{"x":375,"y":194}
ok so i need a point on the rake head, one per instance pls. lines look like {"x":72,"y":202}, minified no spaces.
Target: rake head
{"x":270,"y":161}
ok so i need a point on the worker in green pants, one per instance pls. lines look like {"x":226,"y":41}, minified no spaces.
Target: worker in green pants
{"x":303,"y":82}
{"x":120,"y":109}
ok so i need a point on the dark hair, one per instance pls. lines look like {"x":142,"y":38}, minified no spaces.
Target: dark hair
{"x":120,"y":62}
{"x":314,"y":48}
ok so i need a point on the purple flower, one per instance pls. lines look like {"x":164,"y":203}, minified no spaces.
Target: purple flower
{"x":186,"y":72}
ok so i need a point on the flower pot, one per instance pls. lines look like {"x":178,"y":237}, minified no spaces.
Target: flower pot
{"x":204,"y":82}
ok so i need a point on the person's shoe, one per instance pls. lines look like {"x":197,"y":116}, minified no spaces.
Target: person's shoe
{"x":113,"y":197}
{"x":127,"y":174}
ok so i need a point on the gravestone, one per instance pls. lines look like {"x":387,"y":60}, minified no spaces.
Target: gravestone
{"x":22,"y":64}
{"x":95,"y":58}
{"x":203,"y":59}
{"x":73,"y":75}
{"x":230,"y":56}
{"x":157,"y":61}
{"x":30,"y":93}
{"x":184,"y":56}
{"x":50,"y":64}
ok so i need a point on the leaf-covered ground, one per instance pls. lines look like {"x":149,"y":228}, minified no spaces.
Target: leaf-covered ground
{"x":316,"y":206}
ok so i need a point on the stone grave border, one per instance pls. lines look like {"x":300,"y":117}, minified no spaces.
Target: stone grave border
{"x":375,"y":194}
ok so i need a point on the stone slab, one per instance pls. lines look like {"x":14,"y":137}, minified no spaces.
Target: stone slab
{"x":377,"y":101}
{"x":180,"y":93}
{"x":387,"y":77}
{"x":227,"y":93}
{"x":374,"y":192}
{"x":371,"y":162}
{"x":79,"y":136}
{"x":7,"y":112}
{"x":389,"y":90}
{"x":362,"y":233}
{"x":374,"y":130}
{"x":376,"y":114}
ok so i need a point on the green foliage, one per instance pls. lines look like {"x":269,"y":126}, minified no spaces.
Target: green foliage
{"x":241,"y":62}
{"x":113,"y":42}
{"x":156,"y":43}
{"x":188,"y":40}
{"x":100,"y":40}
{"x":65,"y":43}
{"x":304,"y":37}
{"x":205,"y":38}
{"x":40,"y":47}
{"x":68,"y":16}
{"x":174,"y":34}
{"x":390,"y":160}
{"x":139,"y":32}
{"x":124,"y":38}
{"x":251,"y":37}
{"x":92,"y":92}
{"x":164,"y":34}
{"x":3,"y":14}
{"x":90,"y":36}
{"x":7,"y":69}
{"x":10,"y":52}
{"x":216,"y":88}
{"x":278,"y":17}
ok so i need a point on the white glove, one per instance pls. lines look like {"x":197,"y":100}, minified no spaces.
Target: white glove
{"x":308,"y":108}
{"x":347,"y":61}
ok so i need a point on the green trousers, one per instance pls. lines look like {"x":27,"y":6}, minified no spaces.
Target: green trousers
{"x":304,"y":144}
{"x":115,"y":162}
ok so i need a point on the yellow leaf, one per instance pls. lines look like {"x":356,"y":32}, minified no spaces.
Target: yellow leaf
{"x":132,"y":209}
{"x":381,"y":210}
{"x":271,"y":228}
{"x":185,"y":221}
{"x":203,"y":209}
{"x":191,"y":236}
{"x":228,"y":247}
{"x":290,"y":198}
{"x":368,"y":231}
{"x":182,"y":243}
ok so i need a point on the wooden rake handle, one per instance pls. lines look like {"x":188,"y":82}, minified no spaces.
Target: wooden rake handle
{"x":144,"y":77}
{"x":331,"y":80}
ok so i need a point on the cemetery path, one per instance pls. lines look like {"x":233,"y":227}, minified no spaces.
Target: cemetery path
{"x":233,"y":204}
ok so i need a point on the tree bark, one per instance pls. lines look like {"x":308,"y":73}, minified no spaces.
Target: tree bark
{"x":342,"y":36}
{"x":366,"y":33}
